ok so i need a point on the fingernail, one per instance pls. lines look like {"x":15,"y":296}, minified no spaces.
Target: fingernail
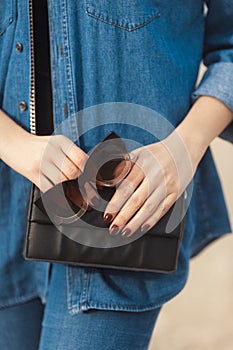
{"x":126,"y":232}
{"x":145,"y":228}
{"x":107,"y":218}
{"x":114,"y":230}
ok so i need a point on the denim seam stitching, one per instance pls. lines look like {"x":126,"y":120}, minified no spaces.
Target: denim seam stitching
{"x":57,"y":109}
{"x":130,"y":308}
{"x":68,"y":66}
{"x":129,"y":29}
{"x":69,"y":281}
{"x":84,"y":296}
{"x":9,"y":21}
{"x":53,"y":68}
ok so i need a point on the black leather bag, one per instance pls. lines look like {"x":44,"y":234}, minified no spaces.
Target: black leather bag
{"x":155,"y":251}
{"x":86,"y":241}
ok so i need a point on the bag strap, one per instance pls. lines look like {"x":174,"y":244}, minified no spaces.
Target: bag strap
{"x":43,"y":92}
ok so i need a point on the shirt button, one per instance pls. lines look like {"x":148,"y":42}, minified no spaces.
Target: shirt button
{"x":22,"y":106}
{"x":19,"y":47}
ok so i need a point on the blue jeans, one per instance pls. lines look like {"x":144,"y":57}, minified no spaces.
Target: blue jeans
{"x":31,"y":326}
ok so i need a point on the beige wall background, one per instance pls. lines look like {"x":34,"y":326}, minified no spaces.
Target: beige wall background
{"x":201,"y":316}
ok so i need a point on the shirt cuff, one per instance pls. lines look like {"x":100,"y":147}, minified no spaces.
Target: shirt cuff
{"x":217,"y":82}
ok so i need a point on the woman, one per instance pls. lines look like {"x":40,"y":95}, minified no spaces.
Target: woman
{"x":108,"y":51}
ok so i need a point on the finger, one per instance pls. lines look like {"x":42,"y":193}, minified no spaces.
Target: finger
{"x":91,"y":195}
{"x":53,"y":173}
{"x":55,"y":158}
{"x":142,"y":193}
{"x":68,"y":168}
{"x":162,"y":209}
{"x":131,"y":223}
{"x":44,"y":184}
{"x":76,"y":154}
{"x":146,"y":222}
{"x":132,"y":205}
{"x":62,"y":162}
{"x":124,"y":191}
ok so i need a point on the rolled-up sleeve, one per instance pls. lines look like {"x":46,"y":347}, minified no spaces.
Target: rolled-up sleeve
{"x":218,"y":57}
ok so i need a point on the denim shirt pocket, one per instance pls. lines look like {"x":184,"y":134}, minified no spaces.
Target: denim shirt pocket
{"x":6,"y":14}
{"x":124,"y":14}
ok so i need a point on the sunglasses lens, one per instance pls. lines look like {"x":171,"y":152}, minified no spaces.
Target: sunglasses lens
{"x":108,"y":164}
{"x":63,"y":202}
{"x":113,"y":171}
{"x":73,"y":195}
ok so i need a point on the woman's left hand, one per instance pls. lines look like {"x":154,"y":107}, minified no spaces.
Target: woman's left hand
{"x":164,"y":169}
{"x":159,"y":176}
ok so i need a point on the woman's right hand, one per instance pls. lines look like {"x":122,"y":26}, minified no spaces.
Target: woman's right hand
{"x":49,"y":160}
{"x":44,"y":160}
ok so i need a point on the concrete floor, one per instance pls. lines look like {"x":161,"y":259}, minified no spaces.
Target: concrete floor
{"x":201,"y":317}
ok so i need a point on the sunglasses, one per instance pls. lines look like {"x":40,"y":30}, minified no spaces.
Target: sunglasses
{"x":108,"y":164}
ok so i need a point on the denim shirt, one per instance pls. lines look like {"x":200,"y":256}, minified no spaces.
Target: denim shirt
{"x":139,"y":51}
